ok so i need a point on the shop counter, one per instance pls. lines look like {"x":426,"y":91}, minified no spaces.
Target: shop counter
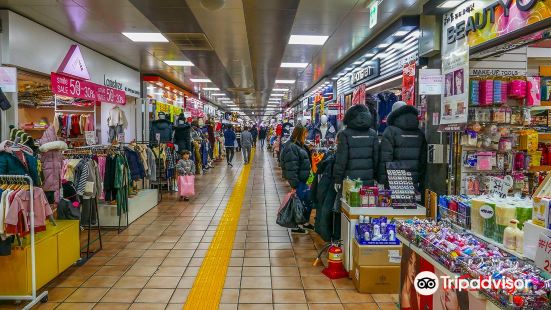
{"x":56,"y":249}
{"x":350,"y":219}
{"x":414,"y":257}
{"x":145,"y":200}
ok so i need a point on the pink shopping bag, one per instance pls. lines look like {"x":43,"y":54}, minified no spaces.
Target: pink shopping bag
{"x":186,"y":185}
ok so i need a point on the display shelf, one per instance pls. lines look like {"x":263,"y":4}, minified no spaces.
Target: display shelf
{"x":540,"y":168}
{"x":424,"y":255}
{"x":379,"y":211}
{"x":544,"y":136}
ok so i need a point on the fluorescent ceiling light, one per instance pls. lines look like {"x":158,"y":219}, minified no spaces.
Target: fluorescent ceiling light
{"x":383,"y":45}
{"x":450,"y":4}
{"x":211,"y":88}
{"x":285,"y":81}
{"x":200,"y":80}
{"x":358,"y":62}
{"x":145,"y":36}
{"x":280,"y":89}
{"x":179,"y":63}
{"x":369,"y":55}
{"x":294,"y":64}
{"x":278,"y":95}
{"x":401,"y":33}
{"x":335,"y":78}
{"x":218,"y":94}
{"x":308,"y":40}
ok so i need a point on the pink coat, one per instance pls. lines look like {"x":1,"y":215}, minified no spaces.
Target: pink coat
{"x":52,"y":160}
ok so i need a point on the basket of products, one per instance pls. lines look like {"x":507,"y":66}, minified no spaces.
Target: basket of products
{"x":376,"y":231}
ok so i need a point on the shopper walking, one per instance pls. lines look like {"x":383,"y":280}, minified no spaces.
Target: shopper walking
{"x":357,"y":154}
{"x":405,"y":143}
{"x":238,"y":138}
{"x":185,"y":167}
{"x":296,"y":170}
{"x":262,"y":136}
{"x":246,"y":144}
{"x":254,"y":133}
{"x":229,"y":143}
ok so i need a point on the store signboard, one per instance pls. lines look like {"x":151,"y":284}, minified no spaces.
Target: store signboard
{"x":8,"y":79}
{"x":76,"y":88}
{"x":481,"y":21}
{"x":368,"y":71}
{"x":120,"y":85}
{"x":430,"y":82}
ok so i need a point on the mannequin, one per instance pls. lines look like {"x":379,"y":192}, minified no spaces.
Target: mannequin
{"x":182,"y":133}
{"x":161,"y":127}
{"x":323,"y":127}
{"x":325,"y":130}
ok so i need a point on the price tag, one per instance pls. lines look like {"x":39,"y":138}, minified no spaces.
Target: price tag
{"x":90,"y":137}
{"x":543,"y":253}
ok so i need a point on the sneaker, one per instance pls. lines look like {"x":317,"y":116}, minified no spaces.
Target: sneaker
{"x":298,"y":231}
{"x":308,"y":226}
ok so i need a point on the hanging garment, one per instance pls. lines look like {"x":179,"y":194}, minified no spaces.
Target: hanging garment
{"x":327,"y":223}
{"x":52,"y":161}
{"x":17,"y":219}
{"x":151,"y":163}
{"x":121,"y":184}
{"x":163,"y":128}
{"x":135,"y":164}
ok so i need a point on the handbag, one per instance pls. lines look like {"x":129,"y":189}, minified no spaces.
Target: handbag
{"x":186,"y":185}
{"x":292,"y":213}
{"x":89,"y":188}
{"x":66,"y":210}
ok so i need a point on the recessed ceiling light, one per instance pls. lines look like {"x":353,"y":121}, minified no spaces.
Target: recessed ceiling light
{"x":280,"y":89}
{"x":285,"y":81}
{"x":278,"y":95}
{"x":218,"y":94}
{"x":145,"y":36}
{"x":179,"y":63}
{"x":401,"y":33}
{"x":294,"y":64}
{"x":450,"y":4}
{"x":211,"y":88}
{"x":308,"y":40}
{"x":383,"y":45}
{"x":200,"y":80}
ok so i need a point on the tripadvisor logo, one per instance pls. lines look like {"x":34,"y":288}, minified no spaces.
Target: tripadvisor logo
{"x":426,"y":283}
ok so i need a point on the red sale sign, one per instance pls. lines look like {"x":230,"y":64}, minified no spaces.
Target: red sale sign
{"x":76,"y":88}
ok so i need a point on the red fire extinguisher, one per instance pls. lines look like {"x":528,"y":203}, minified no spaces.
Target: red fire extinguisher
{"x":335,"y":268}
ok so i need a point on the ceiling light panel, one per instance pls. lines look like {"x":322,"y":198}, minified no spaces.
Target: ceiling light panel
{"x":179,"y":63}
{"x":450,"y":4}
{"x":280,"y":89}
{"x":278,"y":95}
{"x":218,"y":94}
{"x":211,"y":88}
{"x":308,"y":40}
{"x":294,"y":64}
{"x":285,"y":81}
{"x":145,"y":36}
{"x":200,"y":80}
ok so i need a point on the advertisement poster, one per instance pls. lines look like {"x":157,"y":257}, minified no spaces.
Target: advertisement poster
{"x":454,"y":103}
{"x":411,"y":265}
{"x":408,"y":83}
{"x":430,"y":82}
{"x":358,"y":95}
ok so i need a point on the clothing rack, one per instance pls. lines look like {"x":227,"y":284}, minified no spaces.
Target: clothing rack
{"x":33,"y":298}
{"x":87,"y":152}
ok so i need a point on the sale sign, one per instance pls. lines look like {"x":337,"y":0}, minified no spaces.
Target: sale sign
{"x":76,"y":88}
{"x":543,"y":253}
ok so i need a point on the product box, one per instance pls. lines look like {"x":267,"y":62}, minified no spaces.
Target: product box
{"x":541,"y":213}
{"x":376,"y":255}
{"x":376,"y":279}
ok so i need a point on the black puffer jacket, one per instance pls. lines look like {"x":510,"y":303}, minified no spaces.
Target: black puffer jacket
{"x":357,"y":147}
{"x":161,"y":127}
{"x":404,"y":142}
{"x":182,"y":135}
{"x":295,"y":164}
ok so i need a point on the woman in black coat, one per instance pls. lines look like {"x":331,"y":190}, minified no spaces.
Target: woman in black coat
{"x":295,"y":163}
{"x":405,"y":143}
{"x":357,"y":154}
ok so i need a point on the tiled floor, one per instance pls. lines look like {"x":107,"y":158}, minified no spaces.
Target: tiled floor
{"x":153,"y":263}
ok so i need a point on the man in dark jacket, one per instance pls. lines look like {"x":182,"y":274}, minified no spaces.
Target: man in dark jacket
{"x":404,"y":142}
{"x":357,"y":154}
{"x":229,"y":143}
{"x":262,"y":136}
{"x":254,"y":133}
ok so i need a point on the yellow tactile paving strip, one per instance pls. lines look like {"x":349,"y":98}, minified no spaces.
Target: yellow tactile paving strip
{"x":207,"y":288}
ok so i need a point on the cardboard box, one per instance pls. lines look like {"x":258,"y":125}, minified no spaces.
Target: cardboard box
{"x":376,"y":279}
{"x":541,"y":213}
{"x":376,"y":255}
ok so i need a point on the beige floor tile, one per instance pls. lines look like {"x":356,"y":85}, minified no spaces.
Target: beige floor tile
{"x":112,"y":270}
{"x":387,"y":306}
{"x":287,"y":283}
{"x":76,"y":306}
{"x":232,"y":282}
{"x":46,"y":306}
{"x":155,"y":295}
{"x":100,"y":281}
{"x":126,"y":295}
{"x":230,"y":296}
{"x":325,"y":307}
{"x":352,"y":296}
{"x":250,"y":296}
{"x":284,"y":271}
{"x":111,"y":306}
{"x":131,"y":282}
{"x":256,"y":282}
{"x":321,"y":296}
{"x":59,"y":294}
{"x":141,"y":271}
{"x":90,"y":295}
{"x":385,"y":297}
{"x":150,"y":261}
{"x":163,"y":282}
{"x":147,"y":306}
{"x":345,"y":284}
{"x":227,"y":307}
{"x":255,"y":307}
{"x":369,"y":306}
{"x":249,"y":271}
{"x":165,"y":271}
{"x":290,"y":307}
{"x":179,"y":296}
{"x":176,"y":261}
{"x":174,"y":307}
{"x":317,"y":283}
{"x":289,"y":296}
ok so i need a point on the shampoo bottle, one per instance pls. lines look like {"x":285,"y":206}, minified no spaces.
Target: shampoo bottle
{"x":509,"y":235}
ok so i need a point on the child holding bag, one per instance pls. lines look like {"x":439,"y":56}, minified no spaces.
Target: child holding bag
{"x":186,"y":176}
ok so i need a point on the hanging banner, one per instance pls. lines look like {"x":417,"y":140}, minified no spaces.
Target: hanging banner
{"x":408,"y":83}
{"x":110,"y":95}
{"x":454,"y":103}
{"x":72,"y":87}
{"x":358,"y":95}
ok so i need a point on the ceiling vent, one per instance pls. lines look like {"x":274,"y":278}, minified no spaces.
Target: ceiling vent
{"x":190,"y":41}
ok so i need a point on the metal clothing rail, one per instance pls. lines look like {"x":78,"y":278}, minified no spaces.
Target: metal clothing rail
{"x":33,"y":298}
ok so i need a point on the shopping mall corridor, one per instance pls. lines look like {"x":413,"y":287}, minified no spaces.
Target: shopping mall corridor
{"x":153,"y":264}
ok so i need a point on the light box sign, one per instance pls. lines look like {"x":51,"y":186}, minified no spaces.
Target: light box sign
{"x":368,"y":71}
{"x":73,"y":64}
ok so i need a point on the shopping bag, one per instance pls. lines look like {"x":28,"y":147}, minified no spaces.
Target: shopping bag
{"x":186,"y":185}
{"x":68,"y":210}
{"x":292,"y":213}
